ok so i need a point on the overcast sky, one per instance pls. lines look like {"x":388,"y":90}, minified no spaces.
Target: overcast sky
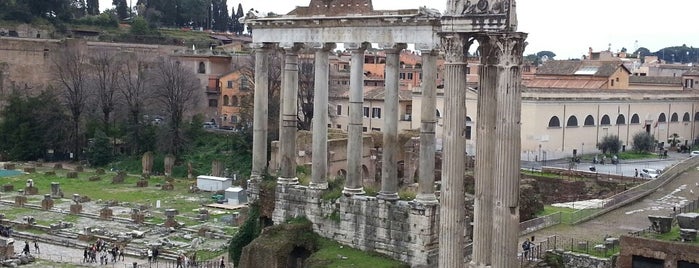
{"x":566,"y":27}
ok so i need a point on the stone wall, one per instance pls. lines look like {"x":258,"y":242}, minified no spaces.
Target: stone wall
{"x":406,"y":231}
{"x":670,"y":252}
{"x":570,"y":259}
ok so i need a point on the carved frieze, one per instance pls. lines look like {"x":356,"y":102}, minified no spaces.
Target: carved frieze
{"x":468,"y":7}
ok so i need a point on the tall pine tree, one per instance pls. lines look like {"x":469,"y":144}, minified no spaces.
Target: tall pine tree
{"x":93,"y":7}
{"x":238,"y":28}
{"x":122,"y":9}
{"x":220,"y":15}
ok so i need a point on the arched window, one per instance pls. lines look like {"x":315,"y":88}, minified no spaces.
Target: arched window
{"x":439,"y":115}
{"x":589,"y":121}
{"x":621,"y":120}
{"x":696,"y":116}
{"x":202,"y":68}
{"x":685,"y":117}
{"x":225,"y":100}
{"x":554,"y":122}
{"x":662,"y":118}
{"x":605,"y":120}
{"x":468,"y":119}
{"x":234,"y":101}
{"x":234,"y":119}
{"x":674,"y":117}
{"x":635,"y":119}
{"x":572,"y":121}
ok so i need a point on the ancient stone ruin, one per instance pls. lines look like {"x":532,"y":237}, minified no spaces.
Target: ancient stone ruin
{"x":169,"y":163}
{"x":147,"y":163}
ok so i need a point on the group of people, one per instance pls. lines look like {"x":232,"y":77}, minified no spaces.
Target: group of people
{"x":26,"y":251}
{"x":104,"y":251}
{"x":527,"y":246}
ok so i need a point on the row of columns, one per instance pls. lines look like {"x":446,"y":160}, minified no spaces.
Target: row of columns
{"x":287,"y":139}
{"x":499,"y":111}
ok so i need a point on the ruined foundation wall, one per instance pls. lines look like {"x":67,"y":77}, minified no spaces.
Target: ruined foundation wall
{"x":405,"y":231}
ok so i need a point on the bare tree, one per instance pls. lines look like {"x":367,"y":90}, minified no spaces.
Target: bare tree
{"x":133,"y":77}
{"x":106,"y":78}
{"x":306,"y":92}
{"x":274,"y":75}
{"x":176,"y":90}
{"x":71,"y":69}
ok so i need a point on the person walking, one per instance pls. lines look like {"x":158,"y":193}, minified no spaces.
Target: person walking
{"x":222,"y":263}
{"x":36,"y":247}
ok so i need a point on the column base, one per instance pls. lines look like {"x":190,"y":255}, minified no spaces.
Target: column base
{"x":288,"y":181}
{"x":353,"y":191}
{"x":427,"y":199}
{"x":388,"y":196}
{"x":318,"y":186}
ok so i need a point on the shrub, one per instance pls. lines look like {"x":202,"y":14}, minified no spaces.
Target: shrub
{"x":611,"y":144}
{"x":643,"y":142}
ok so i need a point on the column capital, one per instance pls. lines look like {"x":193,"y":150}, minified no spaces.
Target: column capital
{"x":257,"y":46}
{"x":291,"y":47}
{"x":504,"y":49}
{"x":455,"y":46}
{"x":393,"y":47}
{"x":357,"y":46}
{"x":321,"y":46}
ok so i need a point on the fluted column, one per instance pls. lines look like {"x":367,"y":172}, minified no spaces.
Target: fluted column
{"x":428,"y":120}
{"x":319,"y":173}
{"x":260,"y":114}
{"x":287,"y":135}
{"x":389,"y":161}
{"x":354,"y":184}
{"x":505,"y":50}
{"x":485,"y":157}
{"x":451,"y":214}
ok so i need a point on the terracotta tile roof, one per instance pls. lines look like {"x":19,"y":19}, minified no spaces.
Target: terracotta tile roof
{"x":565,"y":83}
{"x":663,"y":80}
{"x":692,"y":72}
{"x":574,"y":67}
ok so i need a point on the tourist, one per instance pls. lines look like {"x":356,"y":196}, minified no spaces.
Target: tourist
{"x":121,"y":253}
{"x":525,"y":248}
{"x":180,"y":258}
{"x":85,"y":255}
{"x":223,"y":263}
{"x":36,"y":247}
{"x":25,"y":251}
{"x":635,"y":175}
{"x":150,"y":255}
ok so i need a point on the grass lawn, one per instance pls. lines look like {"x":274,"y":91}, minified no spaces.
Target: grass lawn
{"x":329,"y":251}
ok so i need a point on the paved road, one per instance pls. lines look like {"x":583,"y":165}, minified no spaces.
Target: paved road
{"x":634,"y":217}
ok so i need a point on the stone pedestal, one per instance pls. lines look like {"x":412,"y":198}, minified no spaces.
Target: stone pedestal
{"x":31,"y":190}
{"x":72,"y":175}
{"x":8,"y":188}
{"x":47,"y":202}
{"x":167,"y":186}
{"x":147,"y":163}
{"x":106,"y":214}
{"x":660,"y":224}
{"x":20,"y":200}
{"x":688,"y":220}
{"x":76,"y":209}
{"x":170,"y":218}
{"x":688,"y":235}
{"x":168,"y":164}
{"x":56,"y":191}
{"x":216,"y":168}
{"x":119,"y":178}
{"x":143,"y":182}
{"x":203,"y":215}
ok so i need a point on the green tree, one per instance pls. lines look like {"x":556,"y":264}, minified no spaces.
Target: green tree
{"x":99,"y":152}
{"x":238,"y":27}
{"x":546,"y":53}
{"x":139,"y":26}
{"x":643,"y":142}
{"x":247,"y":233}
{"x":93,"y":7}
{"x":122,"y":9}
{"x":610,"y":143}
{"x":220,"y":17}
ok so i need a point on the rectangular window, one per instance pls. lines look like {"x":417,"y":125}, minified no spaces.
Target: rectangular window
{"x":230,"y":84}
{"x":468,"y":132}
{"x":330,"y":125}
{"x":401,"y":76}
{"x":213,"y":103}
{"x":375,"y":129}
{"x":364,"y":129}
{"x":375,"y":112}
{"x":244,"y":85}
{"x":410,"y":76}
{"x":339,"y":110}
{"x":612,"y":82}
{"x":339,"y":126}
{"x":366,"y":112}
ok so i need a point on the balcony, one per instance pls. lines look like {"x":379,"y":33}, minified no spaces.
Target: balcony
{"x":213,"y":90}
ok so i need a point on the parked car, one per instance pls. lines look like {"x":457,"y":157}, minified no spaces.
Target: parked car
{"x":650,"y":173}
{"x":209,"y":125}
{"x":694,"y":153}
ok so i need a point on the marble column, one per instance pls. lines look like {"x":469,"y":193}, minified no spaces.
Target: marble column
{"x":389,"y":161}
{"x":451,"y":212}
{"x":353,"y":183}
{"x":319,"y":172}
{"x":428,"y":120}
{"x":483,"y":173}
{"x":287,"y":135}
{"x":505,"y":51}
{"x":260,"y":113}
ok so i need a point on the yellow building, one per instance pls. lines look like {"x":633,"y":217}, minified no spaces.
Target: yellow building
{"x":235,"y":88}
